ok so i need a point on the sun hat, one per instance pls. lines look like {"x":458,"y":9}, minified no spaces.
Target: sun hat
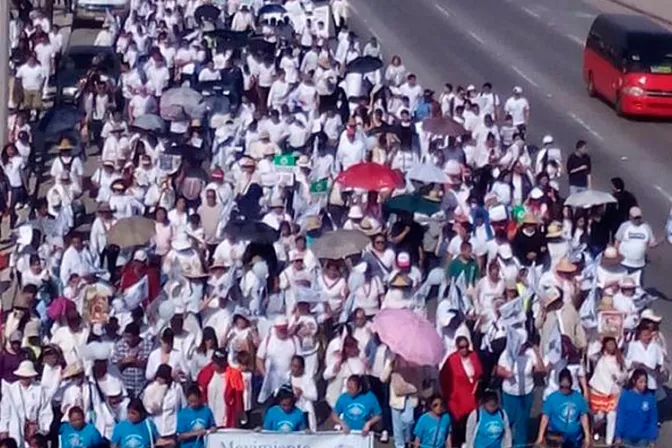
{"x":26,"y":369}
{"x":73,"y":369}
{"x":565,"y":266}
{"x":554,"y":230}
{"x":648,"y":314}
{"x":355,"y":212}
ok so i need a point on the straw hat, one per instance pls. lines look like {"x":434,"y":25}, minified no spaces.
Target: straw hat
{"x":401,"y":281}
{"x":611,"y":256}
{"x":73,"y":369}
{"x":26,"y":369}
{"x":370,"y":227}
{"x":194,"y":271}
{"x":313,"y":223}
{"x":529,"y":219}
{"x":65,"y":145}
{"x":355,"y":212}
{"x":648,"y":314}
{"x":221,"y":264}
{"x":566,"y":267}
{"x":433,"y":196}
{"x":554,"y":230}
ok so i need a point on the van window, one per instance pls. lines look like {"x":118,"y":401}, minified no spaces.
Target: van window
{"x":651,"y":61}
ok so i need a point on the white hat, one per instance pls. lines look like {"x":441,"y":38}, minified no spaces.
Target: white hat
{"x":140,"y":255}
{"x":295,"y":255}
{"x":280,"y":321}
{"x":26,"y":369}
{"x":355,"y":212}
{"x":627,"y":282}
{"x":181,"y":242}
{"x":72,"y":369}
{"x":547,"y":139}
{"x":113,"y":388}
{"x":635,"y":212}
{"x":648,"y":314}
{"x":98,"y":351}
{"x":25,"y":235}
{"x":554,"y":185}
{"x":505,"y":251}
{"x":277,"y":202}
{"x":453,"y":168}
{"x":498,"y":213}
{"x":471,"y":88}
{"x":517,"y":89}
{"x":536,"y":193}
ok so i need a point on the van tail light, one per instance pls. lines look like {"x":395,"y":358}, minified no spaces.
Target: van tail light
{"x":632,"y":91}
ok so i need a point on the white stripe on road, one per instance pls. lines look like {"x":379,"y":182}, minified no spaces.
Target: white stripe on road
{"x":476,"y":37}
{"x":524,"y":76}
{"x":443,"y":10}
{"x":576,"y":40}
{"x":662,"y":191}
{"x":585,"y":125}
{"x":529,"y":12}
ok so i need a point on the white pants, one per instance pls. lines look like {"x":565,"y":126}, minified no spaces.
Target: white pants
{"x":611,"y":425}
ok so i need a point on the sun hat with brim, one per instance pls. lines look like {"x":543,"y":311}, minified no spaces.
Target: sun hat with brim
{"x":433,"y":196}
{"x":554,"y":230}
{"x":74,"y":369}
{"x":26,"y":369}
{"x":182,"y":242}
{"x":118,"y":185}
{"x":65,"y":145}
{"x":530,"y":219}
{"x":194,"y":272}
{"x":313,"y":223}
{"x":566,"y":267}
{"x":627,"y":283}
{"x":247,"y":162}
{"x":550,"y":295}
{"x":370,"y":227}
{"x":648,"y":314}
{"x":610,"y":256}
{"x":221,"y":264}
{"x":401,"y":281}
{"x":355,"y":212}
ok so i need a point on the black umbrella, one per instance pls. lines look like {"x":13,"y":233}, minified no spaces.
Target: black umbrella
{"x":364,"y":64}
{"x":210,"y":12}
{"x":259,"y":45}
{"x":227,"y":39}
{"x":217,"y":104}
{"x":253,"y":231}
{"x":188,"y":152}
{"x":271,"y":9}
{"x":59,"y":120}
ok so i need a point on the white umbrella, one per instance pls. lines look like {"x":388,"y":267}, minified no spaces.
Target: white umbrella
{"x":589,"y":198}
{"x":427,"y":173}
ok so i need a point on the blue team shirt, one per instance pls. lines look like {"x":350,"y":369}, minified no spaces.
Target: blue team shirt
{"x":87,"y":437}
{"x":358,"y":410}
{"x":189,"y":419}
{"x":564,"y":413}
{"x":135,"y":435}
{"x":490,"y":429}
{"x":276,"y":419}
{"x":427,"y":427}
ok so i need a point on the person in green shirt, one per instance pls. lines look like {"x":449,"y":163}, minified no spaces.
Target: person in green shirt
{"x":464,"y":262}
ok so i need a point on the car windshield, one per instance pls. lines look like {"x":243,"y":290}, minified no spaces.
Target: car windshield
{"x":83,"y":61}
{"x":652,"y":54}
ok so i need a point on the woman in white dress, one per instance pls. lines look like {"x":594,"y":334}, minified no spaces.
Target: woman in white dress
{"x":333,"y":286}
{"x":163,"y":398}
{"x":342,"y":360}
{"x":305,"y":390}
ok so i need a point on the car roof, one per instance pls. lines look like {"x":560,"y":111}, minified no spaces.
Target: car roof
{"x":88,"y":49}
{"x":630,"y":24}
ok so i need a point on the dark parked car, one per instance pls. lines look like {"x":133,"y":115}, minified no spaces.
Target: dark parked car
{"x":81,"y":61}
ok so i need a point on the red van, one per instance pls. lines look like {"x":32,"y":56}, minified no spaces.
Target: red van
{"x":628,"y":61}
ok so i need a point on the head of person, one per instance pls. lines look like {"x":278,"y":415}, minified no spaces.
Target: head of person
{"x":286,"y":400}
{"x":167,"y":340}
{"x":350,"y":347}
{"x":194,"y":397}
{"x":76,"y":417}
{"x":8,"y":443}
{"x":298,"y":365}
{"x":73,"y":319}
{"x":359,"y":318}
{"x":161,"y":215}
{"x":609,"y":345}
{"x":617,"y":184}
{"x":76,"y":242}
{"x":493,"y":271}
{"x":164,"y":374}
{"x":465,"y":250}
{"x":136,"y":411}
{"x":581,"y":146}
{"x":565,"y":380}
{"x":635,"y":215}
{"x":462,"y":344}
{"x":211,"y":197}
{"x":209,"y":340}
{"x":639,"y":381}
{"x":353,"y":386}
{"x":219,"y":360}
{"x":436,"y":405}
{"x":490,"y":401}
{"x":281,"y":327}
{"x":132,"y":334}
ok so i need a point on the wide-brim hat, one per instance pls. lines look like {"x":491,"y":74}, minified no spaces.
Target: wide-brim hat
{"x":554,"y":230}
{"x":566,"y":267}
{"x":26,"y":369}
{"x":118,"y":185}
{"x":611,"y":256}
{"x":65,"y":145}
{"x":73,"y":369}
{"x":181,"y":243}
{"x":194,"y":271}
{"x":550,"y":295}
{"x":530,"y":219}
{"x":370,"y":227}
{"x":221,"y":264}
{"x":401,"y":281}
{"x":313,"y":223}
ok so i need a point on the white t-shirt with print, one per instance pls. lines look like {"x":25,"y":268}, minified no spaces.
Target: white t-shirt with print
{"x":634,"y":240}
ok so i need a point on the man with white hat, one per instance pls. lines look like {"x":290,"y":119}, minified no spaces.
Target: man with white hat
{"x":633,"y":240}
{"x":124,"y":205}
{"x":518,"y":107}
{"x":277,"y":214}
{"x":355,"y":217}
{"x":274,"y":357}
{"x":25,"y":413}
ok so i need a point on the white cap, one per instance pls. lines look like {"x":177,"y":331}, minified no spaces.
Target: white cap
{"x":517,"y":89}
{"x":547,"y":139}
{"x":498,"y":213}
{"x":648,"y":314}
{"x":453,"y":168}
{"x":277,"y":202}
{"x":470,"y":88}
{"x":280,"y":321}
{"x":536,"y":193}
{"x":140,"y":255}
{"x":355,"y":212}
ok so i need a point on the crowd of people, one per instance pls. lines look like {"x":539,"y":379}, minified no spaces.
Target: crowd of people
{"x":291,"y":234}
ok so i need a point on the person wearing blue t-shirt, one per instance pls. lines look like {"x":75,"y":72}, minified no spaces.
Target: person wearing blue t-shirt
{"x":355,"y":410}
{"x":637,"y":413}
{"x":76,"y":433}
{"x":488,"y":426}
{"x":138,"y":431}
{"x":433,"y":427}
{"x":194,"y":421}
{"x":285,"y":416}
{"x":565,"y":414}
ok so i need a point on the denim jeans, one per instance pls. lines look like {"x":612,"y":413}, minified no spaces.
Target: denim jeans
{"x":401,"y":430}
{"x":518,"y":408}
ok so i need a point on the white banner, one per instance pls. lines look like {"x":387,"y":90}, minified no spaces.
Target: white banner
{"x":251,"y":439}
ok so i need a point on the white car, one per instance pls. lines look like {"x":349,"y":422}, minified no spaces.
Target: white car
{"x":95,"y":10}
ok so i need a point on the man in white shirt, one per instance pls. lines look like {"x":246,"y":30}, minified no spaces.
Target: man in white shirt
{"x":488,"y":101}
{"x":351,"y":150}
{"x":412,"y":90}
{"x":633,"y":238}
{"x":77,"y":259}
{"x":279,"y":92}
{"x":209,"y":73}
{"x":518,"y":107}
{"x":33,"y":78}
{"x":158,"y":75}
{"x":105,"y":37}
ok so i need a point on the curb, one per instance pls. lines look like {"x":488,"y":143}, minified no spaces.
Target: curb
{"x":639,"y":10}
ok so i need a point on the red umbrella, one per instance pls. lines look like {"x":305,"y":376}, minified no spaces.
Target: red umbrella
{"x":371,"y":176}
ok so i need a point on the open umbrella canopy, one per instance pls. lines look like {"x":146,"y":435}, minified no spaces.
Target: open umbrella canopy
{"x":410,"y":336}
{"x":210,"y":12}
{"x":589,"y":198}
{"x":181,"y":103}
{"x":427,"y":173}
{"x":412,"y":203}
{"x":130,"y":232}
{"x":339,"y":244}
{"x":370,"y":176}
{"x":150,"y":123}
{"x":271,"y":9}
{"x":253,"y":231}
{"x":59,"y":120}
{"x":443,"y":126}
{"x":364,"y":64}
{"x":259,"y":45}
{"x":188,"y":152}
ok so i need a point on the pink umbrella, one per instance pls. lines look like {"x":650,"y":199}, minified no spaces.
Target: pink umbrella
{"x":410,"y":336}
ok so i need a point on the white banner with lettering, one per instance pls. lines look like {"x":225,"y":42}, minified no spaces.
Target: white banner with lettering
{"x":252,"y":439}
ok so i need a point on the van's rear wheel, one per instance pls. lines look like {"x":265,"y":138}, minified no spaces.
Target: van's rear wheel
{"x":590,"y":85}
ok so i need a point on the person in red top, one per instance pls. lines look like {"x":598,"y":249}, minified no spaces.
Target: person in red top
{"x":137,"y":268}
{"x":223,"y":386}
{"x":459,"y":380}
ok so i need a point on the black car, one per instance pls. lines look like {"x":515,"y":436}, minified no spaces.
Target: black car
{"x":77,"y":62}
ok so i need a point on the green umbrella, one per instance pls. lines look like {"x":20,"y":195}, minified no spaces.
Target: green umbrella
{"x":412,"y":203}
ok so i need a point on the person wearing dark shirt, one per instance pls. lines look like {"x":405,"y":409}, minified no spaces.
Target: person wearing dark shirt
{"x":617,"y":213}
{"x":406,"y":235}
{"x":579,"y":169}
{"x":529,"y":243}
{"x":11,"y":357}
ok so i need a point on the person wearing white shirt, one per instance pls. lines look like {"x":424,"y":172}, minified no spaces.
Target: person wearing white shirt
{"x":633,"y":239}
{"x":71,"y":338}
{"x":77,"y":259}
{"x":242,"y":20}
{"x":646,"y":353}
{"x":158,"y":75}
{"x":351,"y":149}
{"x":166,"y":354}
{"x":163,"y":398}
{"x":277,"y":214}
{"x":488,"y":101}
{"x":279,"y":92}
{"x":518,"y":107}
{"x":33,"y":77}
{"x":105,"y":37}
{"x":411,"y":90}
{"x":99,"y":229}
{"x":208,"y":73}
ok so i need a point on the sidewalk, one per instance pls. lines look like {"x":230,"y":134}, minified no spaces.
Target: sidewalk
{"x":658,"y":9}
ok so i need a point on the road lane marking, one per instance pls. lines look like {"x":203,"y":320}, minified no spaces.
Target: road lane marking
{"x":586,"y":126}
{"x":576,"y":40}
{"x":524,"y":76}
{"x":529,"y":12}
{"x":443,"y":10}
{"x":662,"y":191}
{"x":476,"y":37}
